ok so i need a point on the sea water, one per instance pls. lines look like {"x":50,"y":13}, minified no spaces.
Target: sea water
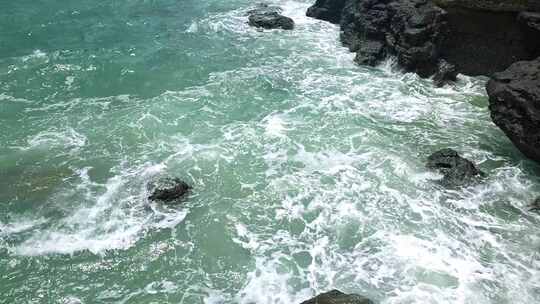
{"x":308,"y":170}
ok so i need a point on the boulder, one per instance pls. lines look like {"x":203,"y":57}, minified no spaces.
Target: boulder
{"x":269,"y":17}
{"x":168,"y":190}
{"x":456,"y":170}
{"x":446,"y":73}
{"x":514,"y":103}
{"x":338,"y":297}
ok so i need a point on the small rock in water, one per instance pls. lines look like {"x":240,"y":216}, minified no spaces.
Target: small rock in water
{"x":535,"y":206}
{"x":168,"y":189}
{"x":457,"y":171}
{"x":338,"y":297}
{"x":446,"y":73}
{"x":269,"y":17}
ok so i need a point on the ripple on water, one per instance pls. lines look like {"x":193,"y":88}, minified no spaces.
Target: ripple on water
{"x":309,"y":175}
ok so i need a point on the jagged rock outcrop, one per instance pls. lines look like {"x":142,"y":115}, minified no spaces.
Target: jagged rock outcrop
{"x":442,"y":38}
{"x":514,"y":102}
{"x":327,"y":10}
{"x":168,"y":190}
{"x":269,"y":17}
{"x":476,"y":37}
{"x":456,"y":170}
{"x":410,"y":30}
{"x":338,"y":297}
{"x":446,"y":72}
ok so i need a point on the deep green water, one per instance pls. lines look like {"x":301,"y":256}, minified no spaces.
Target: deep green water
{"x":308,"y":170}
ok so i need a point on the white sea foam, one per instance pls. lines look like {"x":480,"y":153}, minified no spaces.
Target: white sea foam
{"x":341,"y":197}
{"x":275,"y":126}
{"x":116,"y":217}
{"x":66,"y":139}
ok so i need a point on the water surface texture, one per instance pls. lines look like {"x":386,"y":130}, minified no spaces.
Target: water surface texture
{"x":308,"y":171}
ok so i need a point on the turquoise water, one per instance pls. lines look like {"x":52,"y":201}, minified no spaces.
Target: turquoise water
{"x":308,"y":171}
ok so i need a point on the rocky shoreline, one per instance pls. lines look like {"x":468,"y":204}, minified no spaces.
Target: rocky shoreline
{"x":441,"y":38}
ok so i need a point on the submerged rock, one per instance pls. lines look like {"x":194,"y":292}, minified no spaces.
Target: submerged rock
{"x":535,"y":206}
{"x":456,"y":170}
{"x":269,"y":17}
{"x":168,"y":190}
{"x":514,"y":102}
{"x":338,"y":297}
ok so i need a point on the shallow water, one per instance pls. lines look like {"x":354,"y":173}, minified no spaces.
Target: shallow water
{"x":308,"y":170}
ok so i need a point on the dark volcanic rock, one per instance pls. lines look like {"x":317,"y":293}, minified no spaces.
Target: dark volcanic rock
{"x":269,"y":17}
{"x":168,"y":190}
{"x":485,"y":42}
{"x":457,"y":171}
{"x":329,"y":10}
{"x":446,"y":73}
{"x":337,"y":297}
{"x":492,"y":5}
{"x":530,"y":20}
{"x":370,"y":53}
{"x":478,"y":37}
{"x":410,"y":30}
{"x":514,"y":102}
{"x":535,"y":206}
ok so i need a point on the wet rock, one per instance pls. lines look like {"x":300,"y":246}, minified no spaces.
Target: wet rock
{"x":338,"y":297}
{"x":446,"y":73}
{"x":535,"y":206}
{"x":168,"y":190}
{"x":514,"y":103}
{"x":408,"y":29}
{"x":492,"y":5}
{"x":483,"y":42}
{"x":456,"y":170}
{"x":269,"y":17}
{"x":370,"y":53}
{"x":530,"y":20}
{"x":328,"y":10}
{"x":479,"y":37}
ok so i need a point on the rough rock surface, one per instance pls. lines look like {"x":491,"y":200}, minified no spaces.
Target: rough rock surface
{"x":456,"y":170}
{"x":410,"y":30}
{"x":535,"y":206}
{"x":168,"y":190}
{"x":514,"y":102}
{"x":485,"y":42}
{"x":493,"y":5}
{"x":442,"y":38}
{"x":327,"y":10}
{"x":338,"y":297}
{"x":478,"y":37}
{"x":446,"y":72}
{"x":269,"y":17}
